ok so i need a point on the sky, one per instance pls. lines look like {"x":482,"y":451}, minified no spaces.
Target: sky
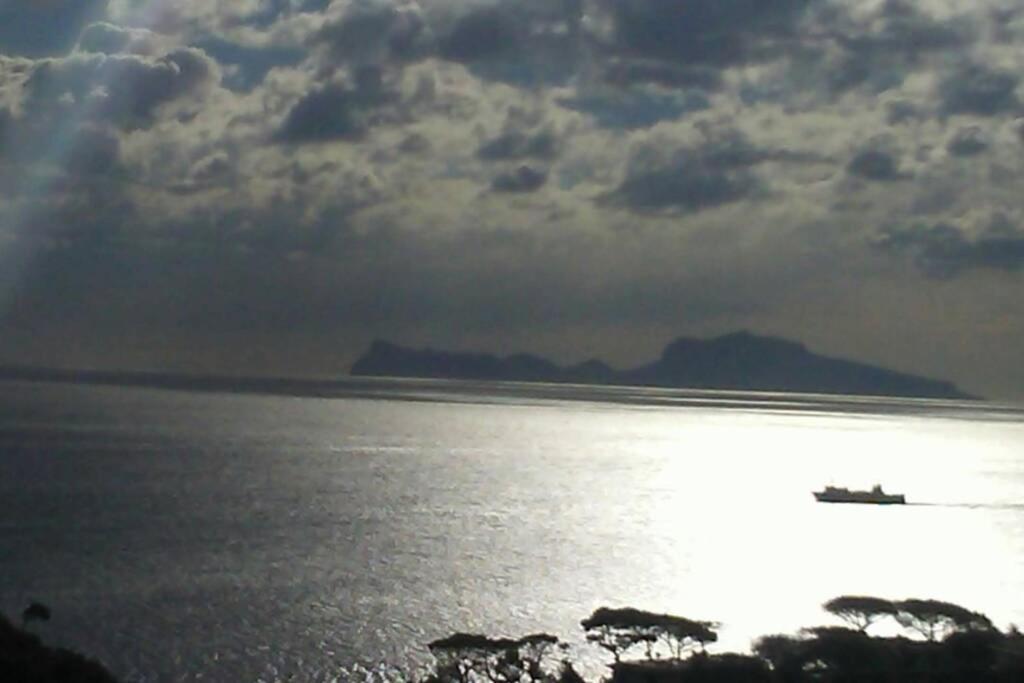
{"x":265,"y":186}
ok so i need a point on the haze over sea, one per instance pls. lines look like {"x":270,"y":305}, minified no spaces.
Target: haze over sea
{"x":234,"y":537}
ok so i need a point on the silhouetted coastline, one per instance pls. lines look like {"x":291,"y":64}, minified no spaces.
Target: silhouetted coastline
{"x":941,"y":643}
{"x":25,"y":659}
{"x":737,"y":362}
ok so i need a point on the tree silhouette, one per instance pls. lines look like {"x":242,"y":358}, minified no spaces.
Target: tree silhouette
{"x":617,"y":630}
{"x":784,"y":653}
{"x":860,"y":611}
{"x":36,"y":611}
{"x":935,"y":618}
{"x":464,"y":657}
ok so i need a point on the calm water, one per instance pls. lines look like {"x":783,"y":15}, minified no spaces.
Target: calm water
{"x":184,"y":536}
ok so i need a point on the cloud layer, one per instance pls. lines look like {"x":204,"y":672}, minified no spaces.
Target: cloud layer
{"x":573,"y":177}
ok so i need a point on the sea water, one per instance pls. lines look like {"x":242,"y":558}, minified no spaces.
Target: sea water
{"x":184,"y":536}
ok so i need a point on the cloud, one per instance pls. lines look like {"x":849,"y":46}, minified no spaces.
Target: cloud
{"x":686,"y":187}
{"x":901,"y":112}
{"x":6,"y":126}
{"x":247,"y":66}
{"x":623,"y":72}
{"x":415,"y":143}
{"x":105,"y":38}
{"x":482,"y":34}
{"x":378,"y":32}
{"x":508,"y":133}
{"x":516,"y":144}
{"x":338,"y":111}
{"x":880,"y":48}
{"x":39,"y":28}
{"x":635,"y":107}
{"x":125,"y":90}
{"x":877,"y":165}
{"x":980,"y":90}
{"x":94,"y":151}
{"x":691,"y":179}
{"x":194,"y":18}
{"x":523,"y":179}
{"x":522,"y":42}
{"x":967,"y":142}
{"x":328,"y":113}
{"x":711,"y":32}
{"x":718,"y":170}
{"x":944,"y":250}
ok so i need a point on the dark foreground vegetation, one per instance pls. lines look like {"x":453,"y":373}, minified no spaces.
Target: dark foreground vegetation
{"x":941,"y":643}
{"x":24,"y":659}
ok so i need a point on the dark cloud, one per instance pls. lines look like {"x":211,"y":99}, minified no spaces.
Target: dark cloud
{"x":636,"y":107}
{"x":377,"y":33}
{"x":338,"y":111}
{"x":334,"y":112}
{"x":522,"y":42}
{"x":980,"y":90}
{"x":944,"y":251}
{"x":38,"y":28}
{"x":967,"y":142}
{"x":692,"y":179}
{"x":717,"y":171}
{"x":6,"y":126}
{"x":624,"y":72}
{"x":880,"y":50}
{"x":414,"y":143}
{"x":715,"y":32}
{"x":905,"y":28}
{"x":877,"y":165}
{"x":516,"y":144}
{"x":688,"y":187}
{"x":94,"y":151}
{"x":89,"y":206}
{"x":484,"y":34}
{"x":125,"y":90}
{"x":523,"y":179}
{"x":901,"y":111}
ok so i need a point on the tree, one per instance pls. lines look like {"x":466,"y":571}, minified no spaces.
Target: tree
{"x":466,"y":657}
{"x":532,"y":651}
{"x":782,"y":652}
{"x":617,"y":630}
{"x":612,"y":636}
{"x":860,"y":611}
{"x":935,"y":618}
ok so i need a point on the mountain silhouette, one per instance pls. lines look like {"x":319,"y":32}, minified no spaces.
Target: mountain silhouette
{"x":739,"y":361}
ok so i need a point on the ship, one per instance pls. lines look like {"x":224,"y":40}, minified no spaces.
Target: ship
{"x":876,"y":496}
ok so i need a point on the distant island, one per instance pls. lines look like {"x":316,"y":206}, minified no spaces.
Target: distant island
{"x":739,"y":361}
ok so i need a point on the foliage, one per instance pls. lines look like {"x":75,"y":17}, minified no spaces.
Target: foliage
{"x":860,"y":611}
{"x":777,"y":649}
{"x":1009,"y":661}
{"x":703,"y":668}
{"x":617,"y":630}
{"x":24,"y":659}
{"x":568,"y":674}
{"x":935,"y":618}
{"x":959,"y":646}
{"x":469,"y":657}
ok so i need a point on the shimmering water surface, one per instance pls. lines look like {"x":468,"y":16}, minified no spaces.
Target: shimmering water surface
{"x":183,"y":536}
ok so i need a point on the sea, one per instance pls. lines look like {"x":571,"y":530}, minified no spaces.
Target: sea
{"x":183,"y":536}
